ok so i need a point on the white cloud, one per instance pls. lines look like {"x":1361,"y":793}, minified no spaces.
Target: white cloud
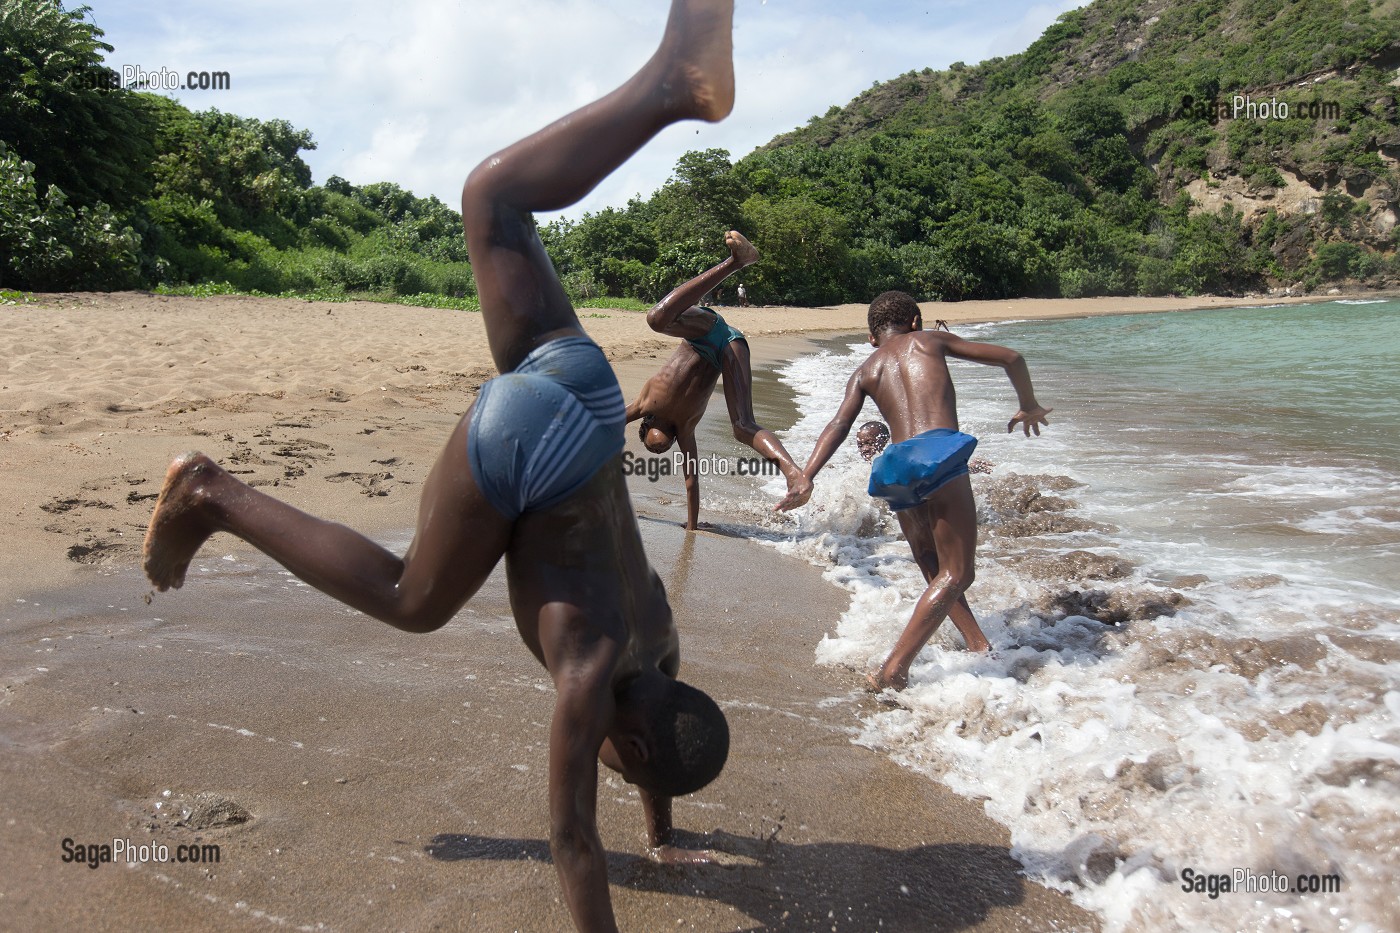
{"x":420,"y":91}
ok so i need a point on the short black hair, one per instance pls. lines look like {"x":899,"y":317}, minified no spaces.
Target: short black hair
{"x":891,"y":309}
{"x":690,"y":741}
{"x":881,"y":429}
{"x":644,"y":426}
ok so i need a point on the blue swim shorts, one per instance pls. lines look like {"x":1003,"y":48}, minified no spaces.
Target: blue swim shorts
{"x":540,"y":432}
{"x":711,"y":346}
{"x":907,"y":473}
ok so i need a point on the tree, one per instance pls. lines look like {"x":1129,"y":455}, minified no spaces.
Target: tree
{"x":59,"y":111}
{"x":700,"y":201}
{"x":805,"y":252}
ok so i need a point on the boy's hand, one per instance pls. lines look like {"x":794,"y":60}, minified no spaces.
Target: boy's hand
{"x":799,"y":491}
{"x":1029,"y":419}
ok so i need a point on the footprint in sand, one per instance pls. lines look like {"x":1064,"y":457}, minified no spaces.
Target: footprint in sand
{"x":202,"y":811}
{"x":61,"y":505}
{"x":371,"y":484}
{"x":96,"y":551}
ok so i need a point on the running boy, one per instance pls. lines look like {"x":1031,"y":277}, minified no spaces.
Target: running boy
{"x":923,"y":474}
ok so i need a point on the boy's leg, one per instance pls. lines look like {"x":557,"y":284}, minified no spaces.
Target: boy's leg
{"x":927,"y":559}
{"x":665,"y":317}
{"x":691,"y":76}
{"x":738,"y":396}
{"x":459,"y":539}
{"x":945,"y":527}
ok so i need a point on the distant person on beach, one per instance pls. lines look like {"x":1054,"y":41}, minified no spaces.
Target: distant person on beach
{"x":924,"y":473}
{"x":532,"y":473}
{"x":673,"y":401}
{"x":743,"y":296}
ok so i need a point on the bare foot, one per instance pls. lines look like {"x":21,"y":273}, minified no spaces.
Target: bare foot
{"x":700,"y":36}
{"x":177,"y":526}
{"x":879,"y":683}
{"x":744,"y":252}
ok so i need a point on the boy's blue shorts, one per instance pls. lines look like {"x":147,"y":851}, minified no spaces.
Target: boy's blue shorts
{"x":907,"y":473}
{"x":540,"y":432}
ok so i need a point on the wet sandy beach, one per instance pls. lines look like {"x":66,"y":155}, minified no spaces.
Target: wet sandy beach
{"x":355,"y":777}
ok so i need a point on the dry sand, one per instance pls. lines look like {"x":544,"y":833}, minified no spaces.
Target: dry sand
{"x":393,"y":781}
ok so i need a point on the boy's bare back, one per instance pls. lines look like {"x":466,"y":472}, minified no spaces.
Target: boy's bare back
{"x":908,"y":378}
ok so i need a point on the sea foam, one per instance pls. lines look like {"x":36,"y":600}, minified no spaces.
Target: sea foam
{"x":1182,"y":679}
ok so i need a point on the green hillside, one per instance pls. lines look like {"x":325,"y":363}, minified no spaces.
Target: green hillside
{"x":1108,"y":158}
{"x":102,"y":188}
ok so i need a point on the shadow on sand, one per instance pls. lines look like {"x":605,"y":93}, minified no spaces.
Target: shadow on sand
{"x":790,"y":886}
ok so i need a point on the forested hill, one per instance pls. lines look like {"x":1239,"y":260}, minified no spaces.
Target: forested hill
{"x":1109,"y":158}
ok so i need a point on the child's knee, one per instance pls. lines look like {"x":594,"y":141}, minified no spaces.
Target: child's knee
{"x":746,"y":431}
{"x":958,"y":579}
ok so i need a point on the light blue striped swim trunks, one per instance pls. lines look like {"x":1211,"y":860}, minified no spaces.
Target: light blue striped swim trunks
{"x":540,"y":432}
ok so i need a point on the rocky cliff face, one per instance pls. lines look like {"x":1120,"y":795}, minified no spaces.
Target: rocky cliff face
{"x":1283,"y":110}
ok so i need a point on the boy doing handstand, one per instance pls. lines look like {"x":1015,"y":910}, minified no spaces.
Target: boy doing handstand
{"x":532,"y":473}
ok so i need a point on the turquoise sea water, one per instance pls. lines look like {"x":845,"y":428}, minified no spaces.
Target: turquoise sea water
{"x":1266,"y":436}
{"x":1245,"y":460}
{"x":1315,"y":378}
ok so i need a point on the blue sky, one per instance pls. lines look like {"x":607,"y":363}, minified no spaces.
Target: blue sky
{"x":419,"y":91}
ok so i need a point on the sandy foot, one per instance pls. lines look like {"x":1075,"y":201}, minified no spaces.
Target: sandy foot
{"x":177,"y":528}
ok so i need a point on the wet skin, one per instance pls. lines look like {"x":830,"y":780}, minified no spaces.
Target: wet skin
{"x":586,"y":601}
{"x":676,"y":397}
{"x":908,"y":378}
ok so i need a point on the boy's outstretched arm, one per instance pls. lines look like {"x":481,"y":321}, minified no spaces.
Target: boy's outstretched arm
{"x":657,"y":811}
{"x":685,"y":439}
{"x":663,"y":317}
{"x":838,"y":428}
{"x":1031,"y":415}
{"x":582,"y":711}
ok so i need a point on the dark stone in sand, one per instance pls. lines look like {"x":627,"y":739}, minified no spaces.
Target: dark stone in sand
{"x":1016,"y":506}
{"x":1310,"y":717}
{"x":211,"y":811}
{"x":1245,"y":657}
{"x":1075,"y":565}
{"x":94,"y":552}
{"x":1363,"y":771}
{"x":1015,"y":494}
{"x":1257,"y":582}
{"x":1045,"y":523}
{"x":1115,"y":607}
{"x":1162,"y":770}
{"x":1377,"y":650}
